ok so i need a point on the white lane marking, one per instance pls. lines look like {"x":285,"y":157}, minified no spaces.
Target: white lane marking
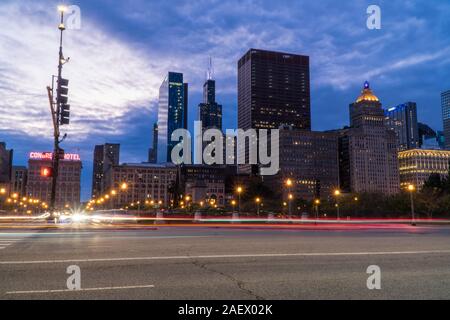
{"x":268,"y":255}
{"x":87,"y":289}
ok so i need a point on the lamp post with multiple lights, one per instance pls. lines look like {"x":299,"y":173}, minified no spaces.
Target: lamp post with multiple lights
{"x":59,"y":110}
{"x":290,"y":196}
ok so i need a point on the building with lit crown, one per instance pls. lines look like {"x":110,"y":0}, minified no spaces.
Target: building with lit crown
{"x":417,"y":165}
{"x":368,"y":149}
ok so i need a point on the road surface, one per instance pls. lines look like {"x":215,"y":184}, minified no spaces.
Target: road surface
{"x":225,"y":263}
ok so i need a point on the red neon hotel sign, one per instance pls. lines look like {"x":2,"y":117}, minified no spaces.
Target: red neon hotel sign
{"x":49,"y":156}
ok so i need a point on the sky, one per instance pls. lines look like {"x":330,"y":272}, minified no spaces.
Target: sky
{"x":123,"y":50}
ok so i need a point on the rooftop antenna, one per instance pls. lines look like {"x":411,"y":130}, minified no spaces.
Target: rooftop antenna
{"x":210,"y":72}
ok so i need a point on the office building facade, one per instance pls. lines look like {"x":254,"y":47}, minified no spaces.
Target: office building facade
{"x":105,"y":156}
{"x":417,"y":165}
{"x":403,"y":120}
{"x":445,"y":103}
{"x":203,"y":183}
{"x":6,"y":158}
{"x":172,"y":113}
{"x":153,"y":151}
{"x":310,"y":160}
{"x":273,"y":90}
{"x":209,"y":111}
{"x":19,"y":180}
{"x":145,"y":182}
{"x":368,"y":149}
{"x":68,"y":184}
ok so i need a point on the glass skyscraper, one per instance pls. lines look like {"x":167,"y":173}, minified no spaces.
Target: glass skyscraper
{"x":403,"y":120}
{"x":172,"y":113}
{"x":445,"y":102}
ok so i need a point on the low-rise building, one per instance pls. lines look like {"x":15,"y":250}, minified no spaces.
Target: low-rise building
{"x":417,"y":165}
{"x":144,"y":182}
{"x":68,"y":184}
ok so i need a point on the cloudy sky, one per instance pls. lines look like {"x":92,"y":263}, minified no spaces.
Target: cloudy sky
{"x":123,"y":50}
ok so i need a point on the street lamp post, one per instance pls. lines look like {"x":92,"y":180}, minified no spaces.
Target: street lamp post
{"x":290,"y":196}
{"x":58,"y":109}
{"x":411,"y":189}
{"x":239,"y":191}
{"x":258,"y":201}
{"x":337,"y":193}
{"x":317,"y":203}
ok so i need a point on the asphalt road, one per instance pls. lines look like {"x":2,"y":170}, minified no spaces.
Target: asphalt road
{"x":225,"y":263}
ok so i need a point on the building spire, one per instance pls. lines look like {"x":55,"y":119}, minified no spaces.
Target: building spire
{"x":210,"y":71}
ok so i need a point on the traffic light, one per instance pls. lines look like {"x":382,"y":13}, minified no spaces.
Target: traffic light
{"x":46,"y":172}
{"x":65,"y":114}
{"x":62,"y":92}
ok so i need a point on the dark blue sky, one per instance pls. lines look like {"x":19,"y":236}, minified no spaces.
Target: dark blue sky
{"x":123,"y":50}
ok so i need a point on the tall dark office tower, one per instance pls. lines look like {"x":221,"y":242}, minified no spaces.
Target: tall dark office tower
{"x":6,"y":157}
{"x":403,"y":120}
{"x":153,"y":151}
{"x":172,"y":113}
{"x":210,"y":112}
{"x":273,"y":90}
{"x":105,"y":156}
{"x":445,"y":102}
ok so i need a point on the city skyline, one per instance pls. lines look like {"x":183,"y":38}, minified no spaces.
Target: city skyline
{"x":330,"y":92}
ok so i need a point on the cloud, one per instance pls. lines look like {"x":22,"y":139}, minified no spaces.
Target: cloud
{"x":108,"y":78}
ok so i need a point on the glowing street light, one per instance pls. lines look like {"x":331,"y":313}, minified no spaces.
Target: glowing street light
{"x":258,"y":202}
{"x":289,"y":184}
{"x":337,"y":193}
{"x":317,"y":204}
{"x":239,"y":190}
{"x":124,"y":186}
{"x":411,"y":190}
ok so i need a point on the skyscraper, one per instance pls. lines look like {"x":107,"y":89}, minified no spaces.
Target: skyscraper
{"x":105,"y":156}
{"x":153,"y":151}
{"x":6,"y":157}
{"x":368,"y":149}
{"x":172,"y":113}
{"x":403,"y":120}
{"x":273,"y":90}
{"x":210,"y":112}
{"x":445,"y":102}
